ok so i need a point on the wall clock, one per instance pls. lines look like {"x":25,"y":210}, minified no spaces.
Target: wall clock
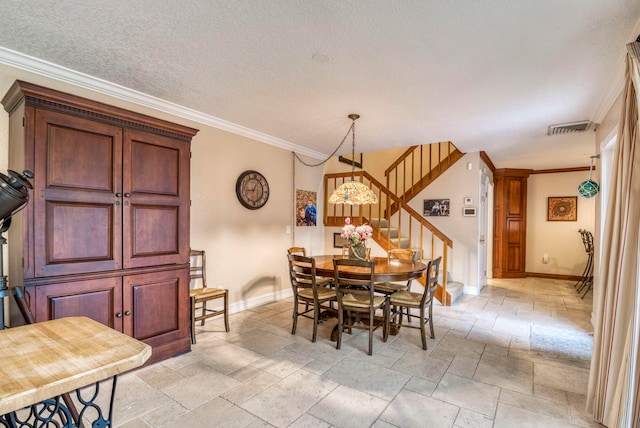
{"x":252,"y":189}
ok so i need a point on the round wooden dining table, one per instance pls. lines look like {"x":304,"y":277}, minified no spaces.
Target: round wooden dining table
{"x":384,"y":269}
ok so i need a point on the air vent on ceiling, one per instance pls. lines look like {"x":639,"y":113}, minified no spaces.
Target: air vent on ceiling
{"x":565,"y":128}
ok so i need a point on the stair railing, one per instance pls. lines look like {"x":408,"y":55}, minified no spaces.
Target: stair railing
{"x":418,"y":166}
{"x":411,"y":229}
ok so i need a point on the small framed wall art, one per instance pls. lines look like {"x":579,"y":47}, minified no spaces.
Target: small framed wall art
{"x":436,"y":207}
{"x":562,"y":208}
{"x":339,"y":241}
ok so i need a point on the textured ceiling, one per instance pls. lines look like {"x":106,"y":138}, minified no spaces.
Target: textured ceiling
{"x":487,"y":75}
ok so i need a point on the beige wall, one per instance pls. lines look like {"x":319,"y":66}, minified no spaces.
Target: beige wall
{"x":559,"y":239}
{"x":456,"y":184}
{"x":245,"y":248}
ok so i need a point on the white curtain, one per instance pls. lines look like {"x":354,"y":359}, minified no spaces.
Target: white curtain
{"x":614,"y":381}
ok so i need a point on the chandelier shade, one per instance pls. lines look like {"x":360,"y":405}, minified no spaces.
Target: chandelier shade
{"x":353,"y":192}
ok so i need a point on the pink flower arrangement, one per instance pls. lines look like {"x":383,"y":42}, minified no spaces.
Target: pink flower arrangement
{"x":356,"y":235}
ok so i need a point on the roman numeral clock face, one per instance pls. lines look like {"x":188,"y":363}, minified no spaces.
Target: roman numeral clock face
{"x":252,"y":190}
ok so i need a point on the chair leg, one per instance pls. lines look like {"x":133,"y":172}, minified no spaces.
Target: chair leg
{"x":433,"y":335}
{"x":193,"y":320}
{"x":371,"y":317}
{"x":423,"y":329}
{"x":295,"y":315}
{"x":316,"y":311}
{"x":340,"y":321}
{"x":204,"y":312}
{"x":386,"y":321}
{"x":226,"y":310}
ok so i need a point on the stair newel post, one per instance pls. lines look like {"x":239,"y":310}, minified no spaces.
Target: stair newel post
{"x":445,"y":265}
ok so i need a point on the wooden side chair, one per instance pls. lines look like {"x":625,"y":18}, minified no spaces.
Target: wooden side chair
{"x":423,"y":301}
{"x":309,"y":289}
{"x":388,"y":288}
{"x":357,"y":300}
{"x":199,"y":296}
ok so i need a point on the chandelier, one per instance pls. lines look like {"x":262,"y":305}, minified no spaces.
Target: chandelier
{"x":353,"y":192}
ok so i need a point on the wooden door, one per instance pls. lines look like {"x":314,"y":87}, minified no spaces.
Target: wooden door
{"x":77,"y":214}
{"x":156,"y":200}
{"x":156,"y":308}
{"x":99,"y":299}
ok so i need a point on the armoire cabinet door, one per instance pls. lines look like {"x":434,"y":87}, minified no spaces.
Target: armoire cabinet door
{"x":98,"y":299}
{"x":156,"y":306}
{"x":77,"y":215}
{"x":156,"y":202}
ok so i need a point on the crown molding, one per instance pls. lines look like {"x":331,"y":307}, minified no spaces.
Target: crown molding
{"x":44,"y":68}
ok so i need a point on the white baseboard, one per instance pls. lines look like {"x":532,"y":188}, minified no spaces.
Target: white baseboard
{"x":259,"y":301}
{"x":466,"y":289}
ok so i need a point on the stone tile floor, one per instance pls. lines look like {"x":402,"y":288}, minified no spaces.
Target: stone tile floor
{"x":517,"y":355}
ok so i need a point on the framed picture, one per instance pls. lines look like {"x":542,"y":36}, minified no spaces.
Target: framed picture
{"x":356,"y":160}
{"x":305,"y":208}
{"x":339,"y":241}
{"x":436,"y":207}
{"x":563,"y":208}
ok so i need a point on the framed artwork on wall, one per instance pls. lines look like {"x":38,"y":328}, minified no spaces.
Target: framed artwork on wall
{"x":305,"y":208}
{"x":436,"y":208}
{"x":562,"y":208}
{"x":339,"y":241}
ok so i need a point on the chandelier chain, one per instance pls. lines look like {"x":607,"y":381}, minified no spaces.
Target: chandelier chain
{"x":351,"y":129}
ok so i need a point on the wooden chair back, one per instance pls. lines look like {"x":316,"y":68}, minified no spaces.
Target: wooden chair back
{"x":198,"y":269}
{"x":301,"y":251}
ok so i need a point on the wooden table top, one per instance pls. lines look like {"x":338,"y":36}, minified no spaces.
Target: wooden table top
{"x":44,"y":360}
{"x":385,"y":269}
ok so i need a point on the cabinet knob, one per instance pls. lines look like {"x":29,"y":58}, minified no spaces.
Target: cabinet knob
{"x":118,"y":195}
{"x":127,"y":313}
{"x":118,"y":315}
{"x":127,"y":195}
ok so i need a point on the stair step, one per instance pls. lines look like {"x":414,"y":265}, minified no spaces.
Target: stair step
{"x":390,"y":233}
{"x":379,"y":223}
{"x":454,"y":289}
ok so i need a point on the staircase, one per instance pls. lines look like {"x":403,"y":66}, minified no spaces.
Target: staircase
{"x":395,"y":224}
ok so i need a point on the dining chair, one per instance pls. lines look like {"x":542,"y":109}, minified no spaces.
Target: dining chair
{"x":388,"y":288}
{"x":313,"y":291}
{"x":423,"y":301}
{"x":297,"y":250}
{"x":357,"y":300}
{"x":200,"y":295}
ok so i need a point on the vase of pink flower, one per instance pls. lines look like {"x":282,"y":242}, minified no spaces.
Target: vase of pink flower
{"x":357,"y":237}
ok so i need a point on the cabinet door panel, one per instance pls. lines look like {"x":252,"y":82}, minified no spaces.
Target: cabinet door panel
{"x":159,"y":306}
{"x":98,"y":299}
{"x":156,"y":203}
{"x":77,"y":224}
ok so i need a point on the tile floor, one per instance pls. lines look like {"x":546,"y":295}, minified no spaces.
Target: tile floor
{"x":517,"y":355}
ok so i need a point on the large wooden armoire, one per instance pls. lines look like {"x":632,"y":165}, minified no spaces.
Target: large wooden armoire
{"x":510,"y":223}
{"x":106,"y":231}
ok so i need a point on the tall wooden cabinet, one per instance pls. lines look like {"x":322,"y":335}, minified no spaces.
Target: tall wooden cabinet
{"x":106,"y":232}
{"x":510,"y":222}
